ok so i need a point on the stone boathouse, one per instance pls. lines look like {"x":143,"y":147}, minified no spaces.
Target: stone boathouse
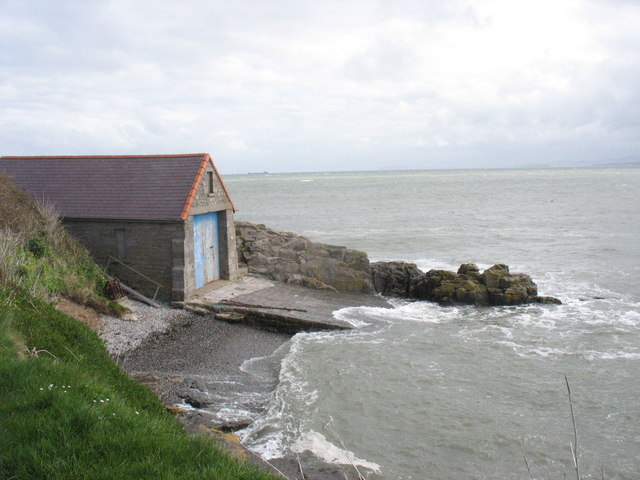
{"x":167,"y":217}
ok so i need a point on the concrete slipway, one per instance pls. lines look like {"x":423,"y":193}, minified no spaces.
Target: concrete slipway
{"x":276,"y":306}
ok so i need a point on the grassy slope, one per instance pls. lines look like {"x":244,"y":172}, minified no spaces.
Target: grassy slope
{"x":70,"y":412}
{"x":66,"y":410}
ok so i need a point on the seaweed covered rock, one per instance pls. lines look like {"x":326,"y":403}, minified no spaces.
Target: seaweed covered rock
{"x":495,"y":286}
{"x":291,"y":258}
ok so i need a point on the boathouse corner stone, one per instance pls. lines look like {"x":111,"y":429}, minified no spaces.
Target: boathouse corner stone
{"x":168,"y":217}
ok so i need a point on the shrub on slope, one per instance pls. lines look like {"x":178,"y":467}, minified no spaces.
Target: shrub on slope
{"x":38,"y":256}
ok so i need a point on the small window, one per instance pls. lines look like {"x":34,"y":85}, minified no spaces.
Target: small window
{"x":210,"y":181}
{"x":121,"y":244}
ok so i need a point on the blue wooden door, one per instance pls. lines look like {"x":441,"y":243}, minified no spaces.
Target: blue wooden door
{"x":206,"y":248}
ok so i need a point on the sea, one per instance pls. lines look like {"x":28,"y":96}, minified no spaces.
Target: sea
{"x":421,"y":391}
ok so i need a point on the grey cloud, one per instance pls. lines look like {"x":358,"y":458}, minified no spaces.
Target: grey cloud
{"x":298,"y":86}
{"x":388,"y":59}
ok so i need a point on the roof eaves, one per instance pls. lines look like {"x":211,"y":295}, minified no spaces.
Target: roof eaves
{"x":103,"y":156}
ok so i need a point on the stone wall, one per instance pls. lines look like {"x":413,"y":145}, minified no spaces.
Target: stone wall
{"x":214,"y":201}
{"x":153,"y":248}
{"x":227,"y":232}
{"x":188,"y":268}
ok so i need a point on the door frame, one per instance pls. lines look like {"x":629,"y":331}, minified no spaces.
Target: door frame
{"x":206,"y":248}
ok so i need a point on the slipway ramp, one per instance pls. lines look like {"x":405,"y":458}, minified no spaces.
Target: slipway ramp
{"x":276,"y":306}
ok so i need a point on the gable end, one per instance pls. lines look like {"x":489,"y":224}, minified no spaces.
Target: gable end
{"x":199,"y":184}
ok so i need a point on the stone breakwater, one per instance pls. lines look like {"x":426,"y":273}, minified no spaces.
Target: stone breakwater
{"x":293,"y":259}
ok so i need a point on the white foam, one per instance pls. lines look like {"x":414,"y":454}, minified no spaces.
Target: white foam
{"x":235,"y":414}
{"x":185,"y":406}
{"x":527,"y":352}
{"x":536,"y":317}
{"x":270,"y":435}
{"x":401,"y":311}
{"x":505,"y":331}
{"x":573,"y":291}
{"x":590,"y":355}
{"x":349,"y":315}
{"x":426,"y":264}
{"x":270,"y":446}
{"x":318,"y":444}
{"x":545,"y":352}
{"x":249,"y":365}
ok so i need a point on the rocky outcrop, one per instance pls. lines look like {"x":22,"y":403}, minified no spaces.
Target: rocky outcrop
{"x":494,"y":286}
{"x":396,"y":279}
{"x":291,"y":258}
{"x":195,"y":397}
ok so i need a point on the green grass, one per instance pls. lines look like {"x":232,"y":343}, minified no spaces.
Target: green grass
{"x":68,"y":412}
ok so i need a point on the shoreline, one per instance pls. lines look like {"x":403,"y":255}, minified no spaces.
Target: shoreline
{"x":205,"y":376}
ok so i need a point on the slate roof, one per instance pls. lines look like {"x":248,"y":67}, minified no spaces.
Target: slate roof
{"x":143,"y":187}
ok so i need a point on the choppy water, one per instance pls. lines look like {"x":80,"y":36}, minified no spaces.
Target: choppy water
{"x":418,"y":391}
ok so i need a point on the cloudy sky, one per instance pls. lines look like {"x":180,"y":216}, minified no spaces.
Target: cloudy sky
{"x":324,"y":85}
